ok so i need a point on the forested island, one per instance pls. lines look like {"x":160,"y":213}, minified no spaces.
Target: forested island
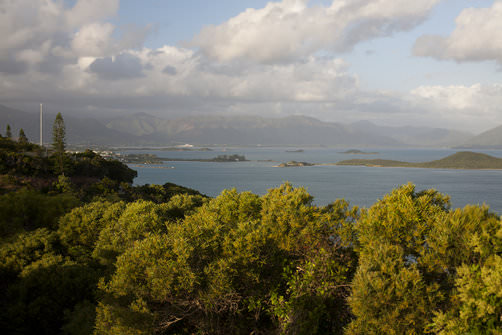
{"x":218,"y":159}
{"x":154,"y":159}
{"x":358,"y":152}
{"x":459,"y":160}
{"x":84,"y":252}
{"x":294,"y":164}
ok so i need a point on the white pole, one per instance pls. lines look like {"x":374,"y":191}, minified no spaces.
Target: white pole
{"x":41,"y":127}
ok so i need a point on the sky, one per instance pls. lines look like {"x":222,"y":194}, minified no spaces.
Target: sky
{"x":392,"y":62}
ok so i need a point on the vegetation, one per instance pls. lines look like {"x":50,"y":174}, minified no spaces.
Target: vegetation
{"x":111,"y":258}
{"x":295,"y":164}
{"x":22,"y":137}
{"x":459,"y":160}
{"x":58,"y":142}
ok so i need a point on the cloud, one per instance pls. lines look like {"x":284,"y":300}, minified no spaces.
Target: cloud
{"x":8,"y":65}
{"x":94,"y":39}
{"x":263,"y":61}
{"x":46,"y":35}
{"x":124,"y":66}
{"x":477,"y":37}
{"x":469,"y":107}
{"x":290,"y":29}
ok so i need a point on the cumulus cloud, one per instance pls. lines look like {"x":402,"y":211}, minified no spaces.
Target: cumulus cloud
{"x":477,"y":37}
{"x":46,"y":35}
{"x":286,"y":30}
{"x":124,"y":66}
{"x":263,"y":61}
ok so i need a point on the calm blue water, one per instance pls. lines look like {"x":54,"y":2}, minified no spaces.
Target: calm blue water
{"x":361,"y":186}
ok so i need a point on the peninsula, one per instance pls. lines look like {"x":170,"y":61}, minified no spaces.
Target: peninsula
{"x":459,"y":160}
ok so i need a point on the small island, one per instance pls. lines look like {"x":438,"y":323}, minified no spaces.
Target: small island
{"x":358,"y":152}
{"x":294,"y":164}
{"x":141,"y":159}
{"x":218,"y":159}
{"x":299,"y":150}
{"x":460,"y":160}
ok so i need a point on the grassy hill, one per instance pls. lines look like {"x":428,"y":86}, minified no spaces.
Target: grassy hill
{"x":459,"y":160}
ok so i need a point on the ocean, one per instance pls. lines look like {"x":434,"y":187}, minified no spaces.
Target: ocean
{"x":361,"y":186}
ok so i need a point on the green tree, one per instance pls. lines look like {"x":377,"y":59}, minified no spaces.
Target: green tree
{"x":239,"y":264}
{"x":398,"y":283}
{"x":22,"y":137}
{"x":8,"y":132}
{"x":58,"y":142}
{"x":470,"y":243}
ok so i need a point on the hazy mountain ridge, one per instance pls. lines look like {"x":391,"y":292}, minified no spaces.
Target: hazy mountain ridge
{"x":247,"y":130}
{"x":146,"y":129}
{"x":78,"y":130}
{"x":488,"y":139}
{"x":417,"y":136}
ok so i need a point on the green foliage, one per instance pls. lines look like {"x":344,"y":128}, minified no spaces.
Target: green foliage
{"x":79,"y":230}
{"x":22,"y":137}
{"x":39,"y":284}
{"x":474,"y":247}
{"x":58,"y":142}
{"x":8,"y":132}
{"x":223,"y":269}
{"x":155,"y":193}
{"x":396,"y":287}
{"x":90,"y":164}
{"x":28,"y":210}
{"x":45,"y":290}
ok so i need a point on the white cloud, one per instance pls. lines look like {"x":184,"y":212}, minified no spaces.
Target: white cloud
{"x":477,"y":37}
{"x":469,"y":107}
{"x":94,"y":40}
{"x":266,"y":63}
{"x":284,"y":31}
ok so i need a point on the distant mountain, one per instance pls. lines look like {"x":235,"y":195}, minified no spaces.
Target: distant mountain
{"x":489,"y":139}
{"x":142,"y":129}
{"x":246,"y":130}
{"x":417,"y":136}
{"x":78,"y":130}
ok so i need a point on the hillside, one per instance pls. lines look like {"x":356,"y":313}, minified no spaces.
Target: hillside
{"x":246,"y":130}
{"x":459,"y":160}
{"x":489,"y":139}
{"x":416,"y":136}
{"x":142,"y":129}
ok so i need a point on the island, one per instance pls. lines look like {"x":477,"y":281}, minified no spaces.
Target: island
{"x":154,"y":159}
{"x":294,"y":164}
{"x":299,"y":150}
{"x":459,"y":160}
{"x":358,"y":152}
{"x":140,"y":159}
{"x":218,"y":159}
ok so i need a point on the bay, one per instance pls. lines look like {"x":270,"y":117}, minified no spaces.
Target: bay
{"x":361,"y":186}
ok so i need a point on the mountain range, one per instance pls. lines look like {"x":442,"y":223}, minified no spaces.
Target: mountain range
{"x":143,"y":129}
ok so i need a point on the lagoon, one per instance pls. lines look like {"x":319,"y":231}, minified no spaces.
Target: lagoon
{"x":359,"y":185}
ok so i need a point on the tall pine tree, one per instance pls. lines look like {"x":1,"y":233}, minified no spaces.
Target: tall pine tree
{"x":8,"y":132}
{"x":22,"y":137}
{"x":58,"y":142}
